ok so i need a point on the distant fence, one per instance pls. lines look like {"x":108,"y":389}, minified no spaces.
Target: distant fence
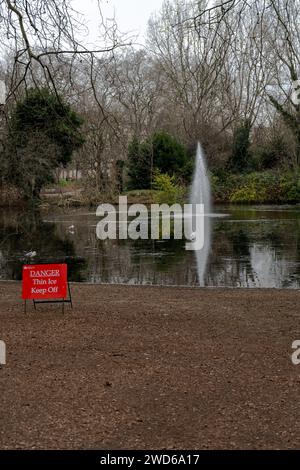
{"x":70,"y":174}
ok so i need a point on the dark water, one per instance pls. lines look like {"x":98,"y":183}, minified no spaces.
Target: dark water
{"x":249,"y":247}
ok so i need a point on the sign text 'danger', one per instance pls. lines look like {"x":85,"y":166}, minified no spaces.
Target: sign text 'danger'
{"x":44,"y":281}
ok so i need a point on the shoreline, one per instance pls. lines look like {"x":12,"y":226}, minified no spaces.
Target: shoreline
{"x":66,"y":201}
{"x":151,"y":368}
{"x":164,"y":286}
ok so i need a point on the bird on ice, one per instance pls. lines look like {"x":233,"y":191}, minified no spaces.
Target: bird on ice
{"x":71,"y":229}
{"x":30,"y":254}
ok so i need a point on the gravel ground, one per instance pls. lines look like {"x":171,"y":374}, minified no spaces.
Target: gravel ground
{"x":151,"y":368}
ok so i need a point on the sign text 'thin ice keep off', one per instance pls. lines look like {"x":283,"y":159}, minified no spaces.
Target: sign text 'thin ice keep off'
{"x":44,"y":281}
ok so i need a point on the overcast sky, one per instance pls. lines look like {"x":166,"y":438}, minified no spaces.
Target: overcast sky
{"x":131,"y":15}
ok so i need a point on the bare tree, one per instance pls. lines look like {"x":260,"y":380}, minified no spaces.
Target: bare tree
{"x":44,"y":35}
{"x":283,"y":56}
{"x":245,"y":74}
{"x":192,"y":60}
{"x":137,"y":86}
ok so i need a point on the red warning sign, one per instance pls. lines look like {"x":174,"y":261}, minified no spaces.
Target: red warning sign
{"x":44,"y":281}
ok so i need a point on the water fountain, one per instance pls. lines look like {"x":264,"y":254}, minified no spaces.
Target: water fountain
{"x":200,"y":194}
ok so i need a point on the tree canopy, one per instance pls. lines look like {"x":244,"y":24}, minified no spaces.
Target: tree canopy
{"x":43,"y":132}
{"x":160,"y":152}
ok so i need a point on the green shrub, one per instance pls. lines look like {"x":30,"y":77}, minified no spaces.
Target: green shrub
{"x":289,"y":185}
{"x":245,"y":194}
{"x":271,"y":154}
{"x":168,"y":190}
{"x":267,"y":186}
{"x":257,"y":187}
{"x":63,"y":183}
{"x":223,"y":184}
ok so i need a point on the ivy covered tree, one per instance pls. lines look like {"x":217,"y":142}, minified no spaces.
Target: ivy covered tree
{"x":240,"y":157}
{"x":43,"y":132}
{"x":291,"y":118}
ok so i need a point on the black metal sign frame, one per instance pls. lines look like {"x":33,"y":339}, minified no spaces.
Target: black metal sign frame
{"x":54,"y":301}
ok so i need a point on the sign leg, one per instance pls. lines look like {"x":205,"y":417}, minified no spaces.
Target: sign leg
{"x":70,"y":296}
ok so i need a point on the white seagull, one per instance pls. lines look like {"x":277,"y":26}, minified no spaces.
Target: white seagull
{"x":30,"y":254}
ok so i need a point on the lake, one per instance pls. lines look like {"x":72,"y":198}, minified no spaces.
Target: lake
{"x":246,"y":246}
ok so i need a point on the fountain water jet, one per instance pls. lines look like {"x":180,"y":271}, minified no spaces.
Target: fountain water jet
{"x":200,"y":194}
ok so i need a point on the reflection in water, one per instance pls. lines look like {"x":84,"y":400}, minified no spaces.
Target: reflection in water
{"x":265,"y":265}
{"x":202,"y":255}
{"x":21,"y":233}
{"x":251,"y":247}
